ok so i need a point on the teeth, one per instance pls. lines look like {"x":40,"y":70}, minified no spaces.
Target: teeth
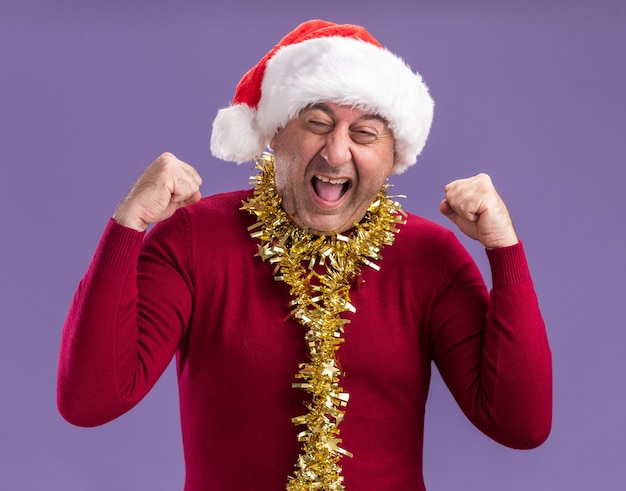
{"x":331,"y":181}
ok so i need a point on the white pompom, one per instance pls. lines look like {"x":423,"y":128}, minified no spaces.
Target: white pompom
{"x":235,"y":136}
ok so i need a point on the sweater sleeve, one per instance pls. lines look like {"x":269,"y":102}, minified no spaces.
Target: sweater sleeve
{"x":124,"y":324}
{"x":492,"y":349}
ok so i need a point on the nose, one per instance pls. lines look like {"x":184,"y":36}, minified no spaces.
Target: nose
{"x":336,"y":150}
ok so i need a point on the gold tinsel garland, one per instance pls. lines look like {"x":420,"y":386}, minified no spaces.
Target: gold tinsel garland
{"x":319,"y":299}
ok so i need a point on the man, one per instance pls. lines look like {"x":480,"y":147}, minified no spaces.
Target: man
{"x":305,"y":313}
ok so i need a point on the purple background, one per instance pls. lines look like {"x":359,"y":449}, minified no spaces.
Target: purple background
{"x":531,"y":92}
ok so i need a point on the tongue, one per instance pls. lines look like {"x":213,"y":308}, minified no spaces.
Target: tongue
{"x":328,"y":191}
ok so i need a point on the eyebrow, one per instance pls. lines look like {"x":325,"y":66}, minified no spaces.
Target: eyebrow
{"x":367,"y":116}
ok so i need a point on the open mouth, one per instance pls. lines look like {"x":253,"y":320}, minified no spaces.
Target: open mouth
{"x":330,"y":190}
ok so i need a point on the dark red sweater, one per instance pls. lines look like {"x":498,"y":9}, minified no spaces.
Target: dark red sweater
{"x":192,"y":287}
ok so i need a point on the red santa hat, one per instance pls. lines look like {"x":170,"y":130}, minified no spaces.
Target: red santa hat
{"x":324,"y":62}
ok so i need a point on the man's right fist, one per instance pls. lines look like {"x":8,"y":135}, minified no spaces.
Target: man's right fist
{"x":165,"y":186}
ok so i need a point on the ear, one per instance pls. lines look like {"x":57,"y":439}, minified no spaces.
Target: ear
{"x":271,"y":145}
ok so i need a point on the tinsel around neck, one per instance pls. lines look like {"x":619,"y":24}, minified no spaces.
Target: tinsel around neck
{"x":319,"y":270}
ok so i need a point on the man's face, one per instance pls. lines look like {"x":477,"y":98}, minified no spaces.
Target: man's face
{"x":330,"y":162}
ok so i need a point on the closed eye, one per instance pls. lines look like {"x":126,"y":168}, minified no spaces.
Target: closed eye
{"x":363,"y":137}
{"x":319,"y":127}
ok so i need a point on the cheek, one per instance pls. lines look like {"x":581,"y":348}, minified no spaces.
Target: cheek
{"x":376,"y":174}
{"x":286,"y":178}
{"x":281,"y":180}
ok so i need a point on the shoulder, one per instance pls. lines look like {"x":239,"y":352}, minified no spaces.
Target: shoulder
{"x":427,"y":244}
{"x":219,"y":210}
{"x":213,"y":215}
{"x":421,"y":232}
{"x":220,"y":217}
{"x":218,"y":204}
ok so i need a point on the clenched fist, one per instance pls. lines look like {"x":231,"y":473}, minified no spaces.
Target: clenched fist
{"x":478,"y":210}
{"x":165,"y":186}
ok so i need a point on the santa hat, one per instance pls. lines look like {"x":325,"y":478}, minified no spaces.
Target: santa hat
{"x":324,"y":62}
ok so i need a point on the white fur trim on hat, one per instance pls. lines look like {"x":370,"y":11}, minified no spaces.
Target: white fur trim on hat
{"x":337,"y":69}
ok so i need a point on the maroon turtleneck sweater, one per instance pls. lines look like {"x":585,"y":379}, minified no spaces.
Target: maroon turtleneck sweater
{"x":193,"y":288}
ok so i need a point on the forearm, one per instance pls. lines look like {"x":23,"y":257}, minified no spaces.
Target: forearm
{"x":123,"y":327}
{"x":494,"y":355}
{"x":517,"y":357}
{"x":89,"y":391}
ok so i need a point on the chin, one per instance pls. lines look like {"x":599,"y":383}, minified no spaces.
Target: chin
{"x":326,"y":222}
{"x":326,"y":228}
